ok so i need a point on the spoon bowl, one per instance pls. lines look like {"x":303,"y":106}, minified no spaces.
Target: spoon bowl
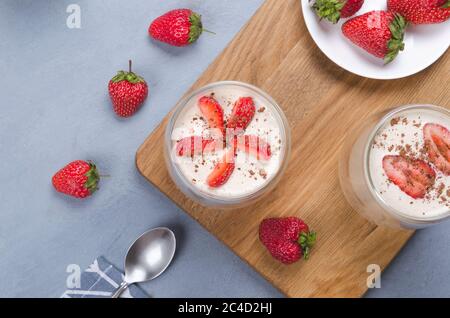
{"x":148,"y":257}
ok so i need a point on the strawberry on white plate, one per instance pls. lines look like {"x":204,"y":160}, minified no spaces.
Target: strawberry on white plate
{"x":333,"y":10}
{"x":424,"y":44}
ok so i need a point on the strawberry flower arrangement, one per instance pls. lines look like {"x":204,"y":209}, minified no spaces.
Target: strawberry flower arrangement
{"x":229,"y":135}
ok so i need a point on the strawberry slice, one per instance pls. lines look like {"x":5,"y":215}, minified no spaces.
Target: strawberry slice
{"x":222,"y":171}
{"x":437,"y":145}
{"x":254,"y":146}
{"x":194,"y":145}
{"x":242,"y":113}
{"x":213,"y":112}
{"x":412,"y":176}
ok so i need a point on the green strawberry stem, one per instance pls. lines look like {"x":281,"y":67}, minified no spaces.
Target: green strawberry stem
{"x":328,"y":9}
{"x":208,"y":31}
{"x":446,"y":5}
{"x":127,"y":76}
{"x":92,"y":178}
{"x":395,"y":44}
{"x":306,"y":241}
{"x":196,"y":27}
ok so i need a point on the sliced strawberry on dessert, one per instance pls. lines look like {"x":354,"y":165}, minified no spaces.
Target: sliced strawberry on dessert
{"x":437,"y":145}
{"x":421,"y":11}
{"x":213,"y":112}
{"x":242,"y":114}
{"x":222,"y":171}
{"x":254,"y":146}
{"x":412,"y":176}
{"x":194,"y":145}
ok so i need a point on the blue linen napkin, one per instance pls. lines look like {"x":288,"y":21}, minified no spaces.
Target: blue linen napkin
{"x":100,"y":280}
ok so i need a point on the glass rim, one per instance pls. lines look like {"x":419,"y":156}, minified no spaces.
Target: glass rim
{"x":217,"y":198}
{"x":397,"y":213}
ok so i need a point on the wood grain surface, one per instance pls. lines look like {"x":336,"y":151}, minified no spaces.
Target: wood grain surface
{"x":322,"y":102}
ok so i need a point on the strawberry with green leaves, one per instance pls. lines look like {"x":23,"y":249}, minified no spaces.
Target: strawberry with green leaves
{"x":180,"y":27}
{"x":421,"y":11}
{"x":78,"y":179}
{"x":128,"y":92}
{"x":378,"y":32}
{"x":333,"y":10}
{"x":287,"y":239}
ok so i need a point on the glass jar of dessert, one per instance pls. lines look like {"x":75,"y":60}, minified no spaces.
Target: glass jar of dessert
{"x":395,"y":167}
{"x":227,"y":144}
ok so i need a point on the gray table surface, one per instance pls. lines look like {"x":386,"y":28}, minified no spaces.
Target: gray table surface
{"x":55,"y":108}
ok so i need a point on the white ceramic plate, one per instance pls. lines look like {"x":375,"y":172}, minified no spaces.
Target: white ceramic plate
{"x":424,"y":44}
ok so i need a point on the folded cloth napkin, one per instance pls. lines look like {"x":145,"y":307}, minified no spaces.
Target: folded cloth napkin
{"x":100,"y":280}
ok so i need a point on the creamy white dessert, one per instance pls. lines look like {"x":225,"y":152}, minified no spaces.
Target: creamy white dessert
{"x":250,"y":173}
{"x":402,"y":136}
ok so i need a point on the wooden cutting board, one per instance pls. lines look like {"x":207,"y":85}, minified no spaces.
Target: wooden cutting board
{"x":322,"y":102}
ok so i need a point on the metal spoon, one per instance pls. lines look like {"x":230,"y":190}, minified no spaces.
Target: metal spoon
{"x":148,"y":257}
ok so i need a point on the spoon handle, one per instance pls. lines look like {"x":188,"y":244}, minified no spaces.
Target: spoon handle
{"x":120,"y":290}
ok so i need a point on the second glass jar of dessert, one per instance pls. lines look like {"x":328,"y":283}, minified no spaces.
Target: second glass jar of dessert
{"x":395,"y":167}
{"x":227,"y":144}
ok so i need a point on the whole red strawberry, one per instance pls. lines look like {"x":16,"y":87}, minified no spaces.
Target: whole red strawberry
{"x":287,"y":239}
{"x":333,"y":10}
{"x":128,"y":92}
{"x":378,"y":32}
{"x":178,"y":27}
{"x":78,"y":179}
{"x":421,"y":11}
